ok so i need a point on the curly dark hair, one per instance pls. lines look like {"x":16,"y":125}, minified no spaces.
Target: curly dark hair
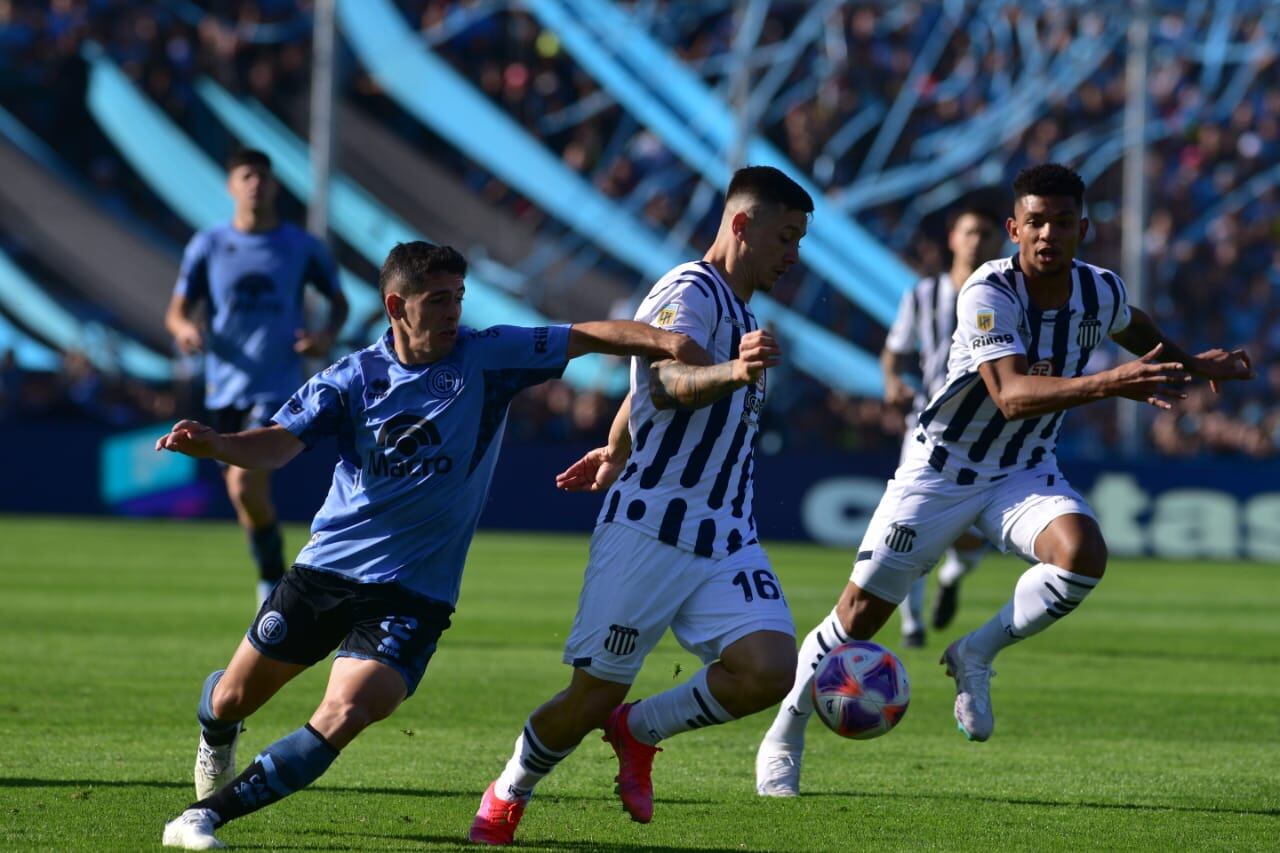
{"x":1049,"y":179}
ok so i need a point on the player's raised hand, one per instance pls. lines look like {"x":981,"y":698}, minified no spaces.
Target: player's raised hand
{"x":757,"y":351}
{"x":897,"y":393}
{"x":1149,"y":380}
{"x":594,"y":472}
{"x":1219,"y":365}
{"x":191,"y":438}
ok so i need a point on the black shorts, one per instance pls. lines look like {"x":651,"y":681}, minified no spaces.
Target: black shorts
{"x":310,"y":612}
{"x":237,"y":419}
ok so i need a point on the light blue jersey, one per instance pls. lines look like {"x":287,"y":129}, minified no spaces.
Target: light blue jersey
{"x":253,"y":284}
{"x":417,"y":446}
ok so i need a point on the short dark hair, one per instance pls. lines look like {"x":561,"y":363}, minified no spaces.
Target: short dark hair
{"x":1049,"y":179}
{"x":978,"y":210}
{"x":770,"y":186}
{"x":248,"y":157}
{"x":408,"y":266}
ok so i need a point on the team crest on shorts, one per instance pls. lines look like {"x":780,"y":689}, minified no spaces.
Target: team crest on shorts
{"x":621,"y":640}
{"x":986,"y":321}
{"x":667,"y":315}
{"x":901,"y":538}
{"x":272,"y":628}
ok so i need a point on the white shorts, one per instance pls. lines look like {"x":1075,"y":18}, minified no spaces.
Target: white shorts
{"x":636,"y":587}
{"x":910,"y":446}
{"x":922,"y":513}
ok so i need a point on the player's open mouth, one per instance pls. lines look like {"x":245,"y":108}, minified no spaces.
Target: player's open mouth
{"x":1048,"y":254}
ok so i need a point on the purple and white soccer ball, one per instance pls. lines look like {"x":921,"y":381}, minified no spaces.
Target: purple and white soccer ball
{"x":860,"y":690}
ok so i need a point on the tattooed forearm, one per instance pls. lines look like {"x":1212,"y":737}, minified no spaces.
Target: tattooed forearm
{"x":683,"y":386}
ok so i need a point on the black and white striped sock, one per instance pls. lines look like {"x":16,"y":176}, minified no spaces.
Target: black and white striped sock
{"x":680,"y":709}
{"x":793,"y":714}
{"x":529,"y":763}
{"x":1044,"y":594}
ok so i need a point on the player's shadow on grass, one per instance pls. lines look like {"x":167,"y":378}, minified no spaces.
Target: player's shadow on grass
{"x":1022,"y":801}
{"x":535,"y":843}
{"x":435,"y":793}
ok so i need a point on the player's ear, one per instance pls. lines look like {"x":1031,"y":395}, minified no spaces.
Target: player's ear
{"x":1084,"y":227}
{"x":739,"y":223}
{"x":1011,"y":228}
{"x":394,"y":304}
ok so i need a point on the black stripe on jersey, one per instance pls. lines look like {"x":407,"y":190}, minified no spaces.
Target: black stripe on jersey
{"x":1089,"y":297}
{"x":635,"y":510}
{"x":614,"y":500}
{"x":964,"y":413}
{"x":731,"y":298}
{"x":672,"y":519}
{"x":693,"y":279}
{"x":734,"y":541}
{"x":938,"y":458}
{"x":743,"y":479}
{"x":642,"y":434}
{"x":671,"y":440}
{"x":950,"y":391}
{"x":714,"y":426}
{"x":705,"y":544}
{"x":940,"y":318}
{"x":715,"y":499}
{"x":990,"y":432}
{"x":1014,"y":446}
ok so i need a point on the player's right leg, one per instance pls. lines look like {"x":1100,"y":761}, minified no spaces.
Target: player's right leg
{"x":629,"y":596}
{"x":250,"y":494}
{"x":912,"y":612}
{"x":920,"y":514}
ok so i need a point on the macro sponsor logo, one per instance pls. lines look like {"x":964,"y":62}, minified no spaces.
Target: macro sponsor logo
{"x":402,"y":445}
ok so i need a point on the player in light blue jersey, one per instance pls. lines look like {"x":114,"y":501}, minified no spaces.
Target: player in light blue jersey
{"x":248,"y":278}
{"x":418,"y":418}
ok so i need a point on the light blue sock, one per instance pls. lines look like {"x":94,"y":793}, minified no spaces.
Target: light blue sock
{"x":216,"y":732}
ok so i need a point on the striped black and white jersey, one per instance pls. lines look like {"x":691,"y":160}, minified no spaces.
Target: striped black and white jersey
{"x":688,"y":482}
{"x":967,"y":437}
{"x":925,"y":324}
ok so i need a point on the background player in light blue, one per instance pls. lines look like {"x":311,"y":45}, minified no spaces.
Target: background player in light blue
{"x":418,"y":418}
{"x":248,"y":277}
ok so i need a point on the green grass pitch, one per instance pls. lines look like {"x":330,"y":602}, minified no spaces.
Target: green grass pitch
{"x":1149,"y":720}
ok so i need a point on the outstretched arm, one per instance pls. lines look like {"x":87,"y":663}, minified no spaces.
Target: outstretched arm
{"x":689,"y":386}
{"x":596,"y":471}
{"x":627,"y":337}
{"x":265,"y":447}
{"x":1217,"y":365}
{"x":1018,"y":395}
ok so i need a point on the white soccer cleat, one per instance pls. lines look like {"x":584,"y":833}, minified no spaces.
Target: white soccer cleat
{"x":778,"y":769}
{"x":192,"y":830}
{"x":973,"y":691}
{"x":215,"y":766}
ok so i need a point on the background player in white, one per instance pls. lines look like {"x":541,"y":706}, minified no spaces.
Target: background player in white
{"x":984,"y":454}
{"x":676,"y":543}
{"x":916,"y":349}
{"x":418,"y":419}
{"x":248,"y":274}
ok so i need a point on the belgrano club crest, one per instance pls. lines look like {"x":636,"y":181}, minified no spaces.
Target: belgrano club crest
{"x":900,"y":538}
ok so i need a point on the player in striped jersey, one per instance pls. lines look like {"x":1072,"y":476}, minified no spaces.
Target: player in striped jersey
{"x":920,"y":340}
{"x":984,"y":453}
{"x":676,"y":545}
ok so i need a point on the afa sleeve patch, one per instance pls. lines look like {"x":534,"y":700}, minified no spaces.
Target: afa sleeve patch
{"x":986,"y":320}
{"x":666,"y":316}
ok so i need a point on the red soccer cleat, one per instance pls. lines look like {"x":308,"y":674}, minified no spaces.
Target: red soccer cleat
{"x":635,"y":765}
{"x":496,"y":819}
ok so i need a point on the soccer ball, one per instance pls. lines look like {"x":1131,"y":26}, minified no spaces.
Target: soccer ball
{"x":860,"y":690}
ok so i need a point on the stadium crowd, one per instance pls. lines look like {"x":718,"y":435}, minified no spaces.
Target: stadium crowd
{"x":1214,"y":131}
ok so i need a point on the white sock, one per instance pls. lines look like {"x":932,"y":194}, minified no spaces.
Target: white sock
{"x":1043,"y":595}
{"x":530,"y":762}
{"x":793,"y":715}
{"x":912,"y":608}
{"x":957,"y":564}
{"x":680,"y":709}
